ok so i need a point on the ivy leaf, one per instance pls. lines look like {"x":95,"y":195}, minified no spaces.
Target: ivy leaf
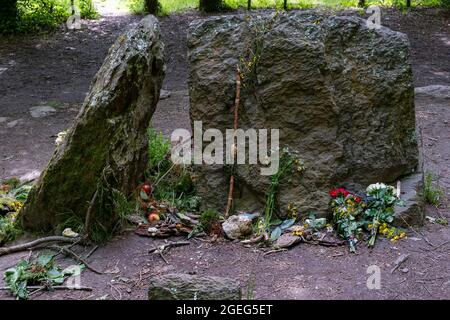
{"x":287,"y":223}
{"x":275,"y":222}
{"x":45,"y":258}
{"x":143,"y":195}
{"x":276,"y":233}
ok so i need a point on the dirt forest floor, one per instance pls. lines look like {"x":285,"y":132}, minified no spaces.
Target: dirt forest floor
{"x":56,"y":69}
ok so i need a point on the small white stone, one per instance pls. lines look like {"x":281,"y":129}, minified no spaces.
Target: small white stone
{"x":164,"y":94}
{"x":13,"y":123}
{"x":41,"y":111}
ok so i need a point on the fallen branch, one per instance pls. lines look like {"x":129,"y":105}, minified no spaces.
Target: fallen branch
{"x":275,"y":251}
{"x":91,"y":252}
{"x":166,"y":246}
{"x":161,"y":249}
{"x":161,"y":255}
{"x":35,"y":243}
{"x":52,"y":288}
{"x":399,"y":261}
{"x":253,"y":240}
{"x":76,"y":257}
{"x":87,"y":222}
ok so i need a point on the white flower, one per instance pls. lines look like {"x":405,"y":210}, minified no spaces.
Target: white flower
{"x":379,"y":186}
{"x":375,"y":186}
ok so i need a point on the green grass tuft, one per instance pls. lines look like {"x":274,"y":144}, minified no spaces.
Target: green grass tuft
{"x":433,"y":194}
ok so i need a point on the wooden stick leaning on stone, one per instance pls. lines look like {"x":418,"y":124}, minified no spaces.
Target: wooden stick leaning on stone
{"x":233,"y":146}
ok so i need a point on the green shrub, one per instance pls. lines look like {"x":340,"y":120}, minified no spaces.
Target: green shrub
{"x":145,"y":6}
{"x":9,"y":229}
{"x":158,"y":153}
{"x":445,"y":3}
{"x":208,"y":219}
{"x":39,"y":15}
{"x":211,"y":5}
{"x":172,"y":183}
{"x":87,"y":10}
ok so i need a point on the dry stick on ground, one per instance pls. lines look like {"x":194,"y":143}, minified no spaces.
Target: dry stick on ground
{"x":164,"y":247}
{"x":91,"y":252}
{"x":161,"y":255}
{"x":170,"y":245}
{"x":87,"y":222}
{"x":75,"y":256}
{"x":399,"y":261}
{"x":418,"y":233}
{"x":234,"y":147}
{"x":35,"y":243}
{"x":51,"y":288}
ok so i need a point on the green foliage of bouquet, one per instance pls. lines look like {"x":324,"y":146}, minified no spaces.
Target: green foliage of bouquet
{"x":381,"y":200}
{"x":346,"y":209}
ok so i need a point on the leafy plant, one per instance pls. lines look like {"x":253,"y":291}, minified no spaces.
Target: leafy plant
{"x":346,"y":208}
{"x":211,"y":5}
{"x":122,"y":206}
{"x":158,"y":152}
{"x":38,"y":15}
{"x":172,"y":183}
{"x":12,"y":198}
{"x":9,"y":228}
{"x":315,"y":223}
{"x":41,"y":272}
{"x":381,"y":200}
{"x":287,"y":162}
{"x":432,"y":194}
{"x":209,"y":219}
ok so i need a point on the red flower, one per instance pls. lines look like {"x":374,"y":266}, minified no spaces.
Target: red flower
{"x":357,"y":199}
{"x":339,"y":192}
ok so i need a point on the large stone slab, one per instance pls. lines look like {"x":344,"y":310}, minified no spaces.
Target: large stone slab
{"x":341,"y":94}
{"x":412,"y":212}
{"x":193,"y":287}
{"x":106,"y":148}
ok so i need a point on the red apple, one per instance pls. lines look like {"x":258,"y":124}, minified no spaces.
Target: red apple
{"x":147,"y":188}
{"x":153,"y":217}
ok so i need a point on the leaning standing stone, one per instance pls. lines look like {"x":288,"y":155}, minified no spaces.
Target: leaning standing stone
{"x":106,"y":149}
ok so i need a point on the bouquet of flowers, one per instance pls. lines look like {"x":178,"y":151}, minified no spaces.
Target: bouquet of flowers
{"x":346,"y":208}
{"x":381,"y":200}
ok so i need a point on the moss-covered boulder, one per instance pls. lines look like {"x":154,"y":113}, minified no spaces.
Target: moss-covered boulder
{"x":106,"y":148}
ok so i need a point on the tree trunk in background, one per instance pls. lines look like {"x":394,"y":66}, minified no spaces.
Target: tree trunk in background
{"x":8,"y":14}
{"x":249,"y":4}
{"x":361,"y":3}
{"x":285,"y":4}
{"x":152,"y":6}
{"x":408,"y":3}
{"x":210,"y":5}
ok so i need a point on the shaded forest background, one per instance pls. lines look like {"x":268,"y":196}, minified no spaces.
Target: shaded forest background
{"x":37,"y":15}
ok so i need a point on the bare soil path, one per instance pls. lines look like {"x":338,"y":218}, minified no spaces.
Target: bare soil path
{"x":55,"y":70}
